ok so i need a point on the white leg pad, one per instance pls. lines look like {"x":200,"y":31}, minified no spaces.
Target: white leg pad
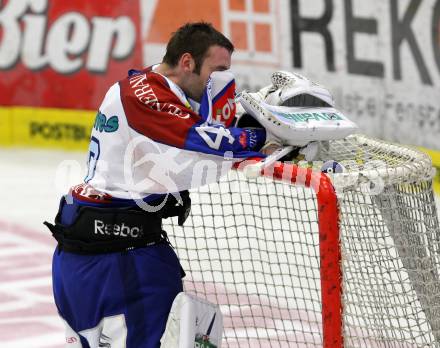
{"x":193,"y":323}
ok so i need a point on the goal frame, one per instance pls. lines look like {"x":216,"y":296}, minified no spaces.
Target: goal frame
{"x":365,"y":240}
{"x":329,"y":240}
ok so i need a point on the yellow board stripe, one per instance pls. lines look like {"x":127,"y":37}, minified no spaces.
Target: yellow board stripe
{"x":70,"y":130}
{"x":46,"y":128}
{"x":5,"y":126}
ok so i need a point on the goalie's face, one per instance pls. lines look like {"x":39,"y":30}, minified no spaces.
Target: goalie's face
{"x":217,"y":59}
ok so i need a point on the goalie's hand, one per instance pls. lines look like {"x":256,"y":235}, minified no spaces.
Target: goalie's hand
{"x":271,"y":145}
{"x":309,"y":152}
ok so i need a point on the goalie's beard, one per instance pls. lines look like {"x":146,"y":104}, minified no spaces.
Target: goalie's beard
{"x":194,"y":87}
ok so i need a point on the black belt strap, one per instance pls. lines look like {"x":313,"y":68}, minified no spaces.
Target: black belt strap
{"x":99,"y":230}
{"x":100,"y":247}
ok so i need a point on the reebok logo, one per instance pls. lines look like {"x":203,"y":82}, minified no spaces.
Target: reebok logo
{"x":121,"y":230}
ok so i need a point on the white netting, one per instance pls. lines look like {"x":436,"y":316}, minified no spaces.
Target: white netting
{"x":253,"y":247}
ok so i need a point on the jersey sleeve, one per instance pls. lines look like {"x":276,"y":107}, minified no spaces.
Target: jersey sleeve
{"x":153,"y":110}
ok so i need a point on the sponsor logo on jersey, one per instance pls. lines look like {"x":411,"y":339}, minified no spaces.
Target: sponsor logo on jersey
{"x":121,"y":230}
{"x":243,"y":139}
{"x":102,"y":124}
{"x":145,"y":94}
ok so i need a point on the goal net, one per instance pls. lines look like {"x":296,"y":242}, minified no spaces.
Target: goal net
{"x":297,"y":258}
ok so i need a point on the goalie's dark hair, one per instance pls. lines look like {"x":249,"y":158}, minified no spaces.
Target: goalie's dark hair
{"x":196,"y":39}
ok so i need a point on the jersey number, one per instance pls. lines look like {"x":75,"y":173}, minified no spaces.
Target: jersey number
{"x":94,"y":150}
{"x":219,"y":132}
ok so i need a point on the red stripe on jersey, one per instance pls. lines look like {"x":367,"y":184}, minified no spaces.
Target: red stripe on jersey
{"x":153,"y":110}
{"x":87,"y":193}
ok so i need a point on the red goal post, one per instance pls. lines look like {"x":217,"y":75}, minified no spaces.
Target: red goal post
{"x":329,"y":246}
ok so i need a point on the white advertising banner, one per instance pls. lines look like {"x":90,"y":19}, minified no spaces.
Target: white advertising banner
{"x":380,"y":58}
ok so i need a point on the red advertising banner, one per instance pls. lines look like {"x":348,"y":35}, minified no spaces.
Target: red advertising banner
{"x":65,"y":54}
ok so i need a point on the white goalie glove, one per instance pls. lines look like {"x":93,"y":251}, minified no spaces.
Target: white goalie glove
{"x":296,"y":111}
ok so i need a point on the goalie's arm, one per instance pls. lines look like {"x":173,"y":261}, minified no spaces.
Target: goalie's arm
{"x":169,"y":121}
{"x":190,"y":132}
{"x":219,"y":140}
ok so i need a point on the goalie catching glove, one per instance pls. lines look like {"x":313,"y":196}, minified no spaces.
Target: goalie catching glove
{"x":296,"y":111}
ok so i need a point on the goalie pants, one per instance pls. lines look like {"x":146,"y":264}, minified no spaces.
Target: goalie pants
{"x":118,"y":299}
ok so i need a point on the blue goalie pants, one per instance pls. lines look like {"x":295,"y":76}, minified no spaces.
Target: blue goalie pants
{"x":118,"y":299}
